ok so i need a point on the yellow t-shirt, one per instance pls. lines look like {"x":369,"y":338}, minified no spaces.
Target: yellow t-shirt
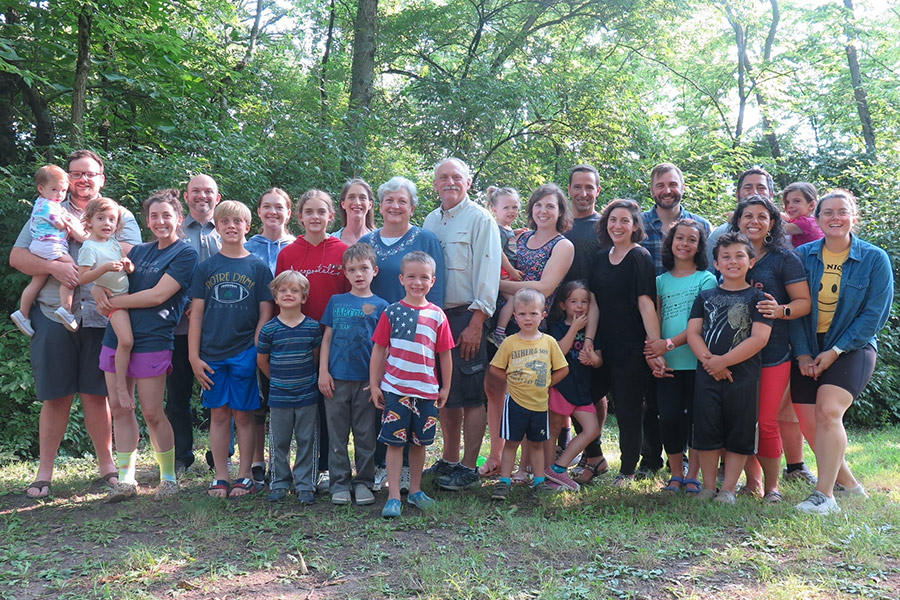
{"x":529,"y":365}
{"x":830,"y":286}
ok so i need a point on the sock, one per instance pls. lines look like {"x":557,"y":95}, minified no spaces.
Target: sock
{"x":501,"y":331}
{"x":126,"y":462}
{"x":506,"y":480}
{"x":794,"y":467}
{"x":539,"y":480}
{"x":166,"y":462}
{"x":261,"y":463}
{"x":558,"y":469}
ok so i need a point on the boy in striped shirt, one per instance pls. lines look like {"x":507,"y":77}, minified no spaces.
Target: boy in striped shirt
{"x":411,"y":337}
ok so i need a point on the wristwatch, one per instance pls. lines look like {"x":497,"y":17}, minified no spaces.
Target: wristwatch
{"x":787,"y":310}
{"x":837,"y":350}
{"x":670,"y":345}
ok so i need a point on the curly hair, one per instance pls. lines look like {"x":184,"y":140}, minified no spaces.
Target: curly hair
{"x":700,"y":259}
{"x":776,"y":240}
{"x":632,"y":207}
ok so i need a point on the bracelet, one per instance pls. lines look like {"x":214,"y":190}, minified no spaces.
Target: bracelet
{"x":588,"y":339}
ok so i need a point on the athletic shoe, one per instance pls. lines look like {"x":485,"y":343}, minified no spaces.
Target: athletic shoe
{"x":323,"y":485}
{"x":500,"y":491}
{"x":380,"y":479}
{"x":181,"y":469}
{"x":306,"y":498}
{"x":562,"y":479}
{"x":421,"y":500}
{"x":277,"y":495}
{"x":363,"y":495}
{"x":439,"y":468}
{"x":803,"y":474}
{"x":122,"y":491}
{"x":725,"y":497}
{"x":462,"y":477}
{"x":543,"y":489}
{"x":341,"y":498}
{"x":705,"y":494}
{"x":404,"y":480}
{"x":622,"y":480}
{"x":843,"y":492}
{"x":66,"y":318}
{"x":259,"y":474}
{"x":23,"y":323}
{"x":166,"y":489}
{"x":818,"y":503}
{"x":392,"y":509}
{"x":495,"y":338}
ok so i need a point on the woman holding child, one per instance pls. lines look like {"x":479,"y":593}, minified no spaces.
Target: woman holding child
{"x":158,"y":293}
{"x":779,"y":273}
{"x":835,"y":344}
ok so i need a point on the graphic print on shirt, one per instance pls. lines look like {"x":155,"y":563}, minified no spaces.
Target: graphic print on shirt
{"x":229,"y":288}
{"x":727,"y":314}
{"x":524,"y":369}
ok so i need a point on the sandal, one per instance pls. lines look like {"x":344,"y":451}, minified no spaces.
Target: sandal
{"x":104,"y":480}
{"x":695,"y":483}
{"x":39,"y":485}
{"x":219,"y":485}
{"x":246,"y":484}
{"x":674,"y":488}
{"x":773,"y":497}
{"x":590,"y":471}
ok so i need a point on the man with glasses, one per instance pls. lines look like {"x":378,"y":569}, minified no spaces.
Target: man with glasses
{"x":64,"y":362}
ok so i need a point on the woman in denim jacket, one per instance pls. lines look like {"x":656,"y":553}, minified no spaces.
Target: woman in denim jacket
{"x":835,"y":345}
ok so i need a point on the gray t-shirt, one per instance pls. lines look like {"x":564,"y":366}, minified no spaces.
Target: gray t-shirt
{"x":83,"y":306}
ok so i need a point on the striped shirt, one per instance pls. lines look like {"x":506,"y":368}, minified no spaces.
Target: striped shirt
{"x":414,"y":336}
{"x":294,"y":375}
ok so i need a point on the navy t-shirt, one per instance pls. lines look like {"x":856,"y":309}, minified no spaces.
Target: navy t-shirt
{"x":232,"y":289}
{"x":583,"y":236}
{"x":154,"y":328}
{"x":353,"y":320}
{"x":728,"y":318}
{"x":293,"y":373}
{"x":576,"y":386}
{"x":771,"y":274}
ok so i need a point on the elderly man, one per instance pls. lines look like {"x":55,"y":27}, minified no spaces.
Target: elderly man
{"x":471,"y":247}
{"x":66,"y":363}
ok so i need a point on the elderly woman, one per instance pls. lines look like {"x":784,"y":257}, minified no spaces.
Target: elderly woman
{"x":397,"y":200}
{"x":357,"y":209}
{"x":835,"y":345}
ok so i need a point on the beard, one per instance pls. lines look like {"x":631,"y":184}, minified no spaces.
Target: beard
{"x":668,"y":200}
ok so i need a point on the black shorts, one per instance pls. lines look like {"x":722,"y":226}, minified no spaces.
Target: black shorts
{"x":63,"y":362}
{"x":726,"y":414}
{"x":851,"y":371}
{"x":467,"y":386}
{"x":520,"y":423}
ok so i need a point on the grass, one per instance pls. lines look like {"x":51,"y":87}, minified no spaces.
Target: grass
{"x":603,"y":542}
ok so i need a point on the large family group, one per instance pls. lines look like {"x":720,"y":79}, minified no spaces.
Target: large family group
{"x":732,"y":345}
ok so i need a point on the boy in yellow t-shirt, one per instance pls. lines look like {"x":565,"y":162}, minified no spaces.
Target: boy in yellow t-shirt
{"x":531,"y":362}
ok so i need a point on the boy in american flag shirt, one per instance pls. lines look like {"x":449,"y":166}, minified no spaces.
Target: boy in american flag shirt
{"x":410,"y":339}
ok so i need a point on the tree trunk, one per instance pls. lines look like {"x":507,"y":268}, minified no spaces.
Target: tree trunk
{"x":82,"y":70}
{"x":859,"y":92}
{"x":323,"y":92}
{"x":362,"y":78}
{"x":44,"y":127}
{"x":9,"y":152}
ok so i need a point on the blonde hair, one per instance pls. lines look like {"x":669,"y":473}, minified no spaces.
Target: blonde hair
{"x":104,"y":204}
{"x":233,"y":208}
{"x":49,"y":173}
{"x":290,"y":276}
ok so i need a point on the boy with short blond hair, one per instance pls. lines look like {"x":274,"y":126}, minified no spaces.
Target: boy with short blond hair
{"x":531,"y":363}
{"x":350,"y":320}
{"x":231,"y":302}
{"x":412,"y":336}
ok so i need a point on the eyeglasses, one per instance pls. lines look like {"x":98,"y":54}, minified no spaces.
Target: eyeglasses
{"x":75,"y":175}
{"x":830,"y":213}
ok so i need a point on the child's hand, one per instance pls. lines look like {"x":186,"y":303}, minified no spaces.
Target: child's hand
{"x":126,"y":401}
{"x":113,"y":265}
{"x":377,"y":396}
{"x":519,"y":231}
{"x":326,"y":384}
{"x":713,"y":363}
{"x":659,"y":368}
{"x":127,"y":265}
{"x":579,"y":323}
{"x":654,"y":348}
{"x":443,"y":395}
{"x":722,"y":375}
{"x":515,"y":275}
{"x":590,"y":358}
{"x":201,"y":368}
{"x":805,"y":364}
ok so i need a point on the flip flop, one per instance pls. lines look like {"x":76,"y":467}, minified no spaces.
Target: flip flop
{"x":39,"y":485}
{"x":246,"y":484}
{"x":219,"y":484}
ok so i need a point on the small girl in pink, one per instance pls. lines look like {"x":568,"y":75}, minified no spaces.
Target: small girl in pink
{"x":799,"y":200}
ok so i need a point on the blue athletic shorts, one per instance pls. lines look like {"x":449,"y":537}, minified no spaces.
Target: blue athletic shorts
{"x":519,"y":423}
{"x":408,"y":419}
{"x":234,"y":382}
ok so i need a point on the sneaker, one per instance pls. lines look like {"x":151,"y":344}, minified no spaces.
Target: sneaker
{"x":461,"y":478}
{"x":363,"y":495}
{"x":380,"y":479}
{"x":773,"y":497}
{"x":500,"y":491}
{"x":705,"y":494}
{"x":341,"y":498}
{"x":323,"y":485}
{"x":645,"y":473}
{"x":818,"y":503}
{"x":122,"y":491}
{"x":562,"y":479}
{"x":543,"y":489}
{"x":392,"y":509}
{"x":306,"y":498}
{"x":438,"y":469}
{"x":166,"y":489}
{"x":23,"y":323}
{"x":803,"y":474}
{"x":421,"y":500}
{"x":277,"y":495}
{"x":843,"y":492}
{"x":622,"y":480}
{"x":404,"y":480}
{"x":495,"y":338}
{"x":66,"y":318}
{"x":259,"y":474}
{"x":726,"y":497}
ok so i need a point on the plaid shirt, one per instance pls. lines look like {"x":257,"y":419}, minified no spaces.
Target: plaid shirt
{"x":653,"y":229}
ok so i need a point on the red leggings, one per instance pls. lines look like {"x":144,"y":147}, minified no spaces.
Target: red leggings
{"x":771,"y":390}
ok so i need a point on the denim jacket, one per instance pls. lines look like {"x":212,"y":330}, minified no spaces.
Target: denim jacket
{"x":864,"y":301}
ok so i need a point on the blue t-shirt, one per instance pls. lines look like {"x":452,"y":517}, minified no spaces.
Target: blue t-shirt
{"x":353,"y":320}
{"x":771,"y":274}
{"x":293,"y":373}
{"x":387,"y":283}
{"x":154,"y":328}
{"x":576,"y":386}
{"x":232,"y":289}
{"x":676,"y":296}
